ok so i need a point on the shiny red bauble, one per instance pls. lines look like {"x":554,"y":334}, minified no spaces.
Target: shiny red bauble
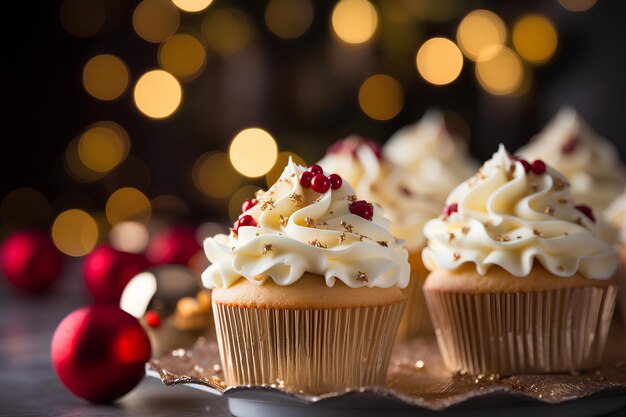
{"x":30,"y":261}
{"x":173,"y":246}
{"x":362,"y":208}
{"x":106,"y":272}
{"x":320,"y":183}
{"x":335,"y":181}
{"x":99,"y":352}
{"x":248,"y":204}
{"x":305,"y":179}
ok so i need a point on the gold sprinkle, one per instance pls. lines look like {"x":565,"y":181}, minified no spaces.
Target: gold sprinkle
{"x":560,"y":268}
{"x":293,"y":174}
{"x":451,"y":237}
{"x":361,"y":277}
{"x":296,"y":199}
{"x":383,"y":243}
{"x":534,"y":186}
{"x":361,"y":237}
{"x":257,"y":234}
{"x":562,"y":200}
{"x":579,"y":221}
{"x":322,"y":224}
{"x":471,"y":182}
{"x":267,"y":247}
{"x":287,"y":180}
{"x":317,"y":244}
{"x":258,"y":278}
{"x":465,"y":229}
{"x":267,"y":203}
{"x":346,"y":226}
{"x":342,"y":237}
{"x":331,"y":212}
{"x":519,"y":236}
{"x":456,"y":256}
{"x":506,"y":238}
{"x":538,"y":232}
{"x":558,"y":184}
{"x":309,"y":222}
{"x":318,"y":199}
{"x":284,"y":220}
{"x":549,"y":210}
{"x":566,"y":234}
{"x":259,"y":193}
{"x":351,"y":198}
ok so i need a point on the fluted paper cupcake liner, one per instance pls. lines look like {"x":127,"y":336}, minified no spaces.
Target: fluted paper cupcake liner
{"x":313,"y":350}
{"x":416,"y":319}
{"x":533,"y":332}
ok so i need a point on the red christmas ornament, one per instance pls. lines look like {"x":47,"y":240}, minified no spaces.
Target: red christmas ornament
{"x":362,"y":208}
{"x":99,"y":352}
{"x":174,"y":246}
{"x":152,"y":319}
{"x":335,"y":181}
{"x":538,"y":167}
{"x":30,"y":261}
{"x":248,"y":204}
{"x":320,"y":183}
{"x":305,"y":179}
{"x":106,"y":272}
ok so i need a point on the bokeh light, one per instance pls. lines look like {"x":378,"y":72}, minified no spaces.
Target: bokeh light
{"x":237,"y":199}
{"x":75,"y":232}
{"x":577,"y":5}
{"x":75,"y":167}
{"x":105,"y":77}
{"x":253,"y":152}
{"x":130,"y":237}
{"x":128,"y":204}
{"x":381,"y":97}
{"x":192,"y":6}
{"x":170,"y":207}
{"x":479,"y":30}
{"x":214,"y":175}
{"x":535,"y":38}
{"x":501,"y":71}
{"x":281,"y":162}
{"x":24,"y":208}
{"x":227,"y":30}
{"x":354,"y":21}
{"x":157,"y":94}
{"x":183,"y":56}
{"x":289,"y":19}
{"x":103,"y":146}
{"x":439,"y":61}
{"x":156,"y":20}
{"x":82,"y":18}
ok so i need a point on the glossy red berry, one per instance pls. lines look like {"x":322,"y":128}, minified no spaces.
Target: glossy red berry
{"x":525,"y":164}
{"x":320,"y":183}
{"x":587,"y":211}
{"x":538,"y":167}
{"x":335,"y":181}
{"x":248,"y":204}
{"x":305,"y":179}
{"x":363,"y":209}
{"x":315,"y":169}
{"x":450,"y":208}
{"x":152,"y":319}
{"x":244,"y":220}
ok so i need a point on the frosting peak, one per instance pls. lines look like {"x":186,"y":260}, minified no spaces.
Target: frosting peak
{"x":512,"y":213}
{"x":298,"y":230}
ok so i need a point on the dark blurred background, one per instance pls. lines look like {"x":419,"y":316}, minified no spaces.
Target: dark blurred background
{"x":87,"y":137}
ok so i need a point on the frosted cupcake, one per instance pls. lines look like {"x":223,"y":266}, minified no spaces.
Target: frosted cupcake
{"x":360,"y":162}
{"x":307,"y":287}
{"x":521,"y":279}
{"x":435,"y":161}
{"x":589,"y":161}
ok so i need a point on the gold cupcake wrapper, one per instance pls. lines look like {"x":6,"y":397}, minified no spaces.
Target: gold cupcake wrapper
{"x":415,"y":320}
{"x":312,"y":350}
{"x":535,"y":332}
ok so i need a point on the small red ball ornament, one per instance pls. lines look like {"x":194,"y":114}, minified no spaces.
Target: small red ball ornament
{"x":30,"y":261}
{"x":99,"y":352}
{"x":305,"y":179}
{"x":106,"y":272}
{"x":248,"y":204}
{"x":335,"y":181}
{"x":538,"y":167}
{"x":173,"y":246}
{"x":315,"y":169}
{"x":587,"y":211}
{"x":362,"y":208}
{"x":152,"y":319}
{"x":320,"y":183}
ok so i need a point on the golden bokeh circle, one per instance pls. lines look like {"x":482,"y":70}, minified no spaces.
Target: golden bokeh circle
{"x":354,"y":21}
{"x":501,"y":71}
{"x":155,"y":20}
{"x":227,"y":30}
{"x":105,"y":77}
{"x":157,"y":94}
{"x":381,"y":97}
{"x":192,"y":6}
{"x":478,"y":30}
{"x":214,"y":176}
{"x":128,"y":204}
{"x":183,"y":56}
{"x":253,"y":152}
{"x":75,"y":232}
{"x":103,"y":146}
{"x":439,"y":61}
{"x":577,"y":5}
{"x":535,"y":38}
{"x":289,"y":19}
{"x":82,"y":18}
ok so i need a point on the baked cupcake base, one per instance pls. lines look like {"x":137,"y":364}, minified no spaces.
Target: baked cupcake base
{"x":306,"y":336}
{"x":501,"y":324}
{"x":415,"y":319}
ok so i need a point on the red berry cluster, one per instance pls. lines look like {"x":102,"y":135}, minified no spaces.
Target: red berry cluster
{"x":450,"y":208}
{"x":362,"y":208}
{"x":538,"y":166}
{"x":587,"y":211}
{"x":315,"y":179}
{"x":248,"y":204}
{"x":351,"y":144}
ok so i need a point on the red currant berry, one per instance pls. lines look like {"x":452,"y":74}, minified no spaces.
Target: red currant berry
{"x":152,"y":319}
{"x":335,"y":181}
{"x":305,"y":179}
{"x":587,"y":211}
{"x":538,"y":167}
{"x":248,"y":204}
{"x":244,"y":220}
{"x":450,"y":208}
{"x":315,"y":169}
{"x":320,"y":183}
{"x":525,"y":164}
{"x":362,"y":208}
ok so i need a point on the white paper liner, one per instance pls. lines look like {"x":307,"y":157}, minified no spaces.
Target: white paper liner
{"x":312,"y":350}
{"x":415,"y":319}
{"x":533,"y":332}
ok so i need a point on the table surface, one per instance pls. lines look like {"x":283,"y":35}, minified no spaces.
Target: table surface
{"x":29,"y":387}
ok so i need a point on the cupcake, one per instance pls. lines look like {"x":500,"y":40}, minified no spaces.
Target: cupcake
{"x":521,"y":277}
{"x":616,"y":215}
{"x":360,"y":162}
{"x":435,"y":161}
{"x":589,"y":161}
{"x":307,"y":287}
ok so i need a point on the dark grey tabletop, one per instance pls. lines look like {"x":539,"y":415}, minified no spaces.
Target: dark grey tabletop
{"x":28,"y":385}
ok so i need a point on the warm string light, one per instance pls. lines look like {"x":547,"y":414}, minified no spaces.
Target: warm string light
{"x":75,"y":232}
{"x":156,"y":20}
{"x":381,"y":97}
{"x":501,"y":71}
{"x":253,"y":152}
{"x":210,"y":166}
{"x":289,"y":19}
{"x":354,"y":21}
{"x":183,"y":56}
{"x":128,"y":204}
{"x":192,"y":6}
{"x":227,"y":30}
{"x":157,"y":94}
{"x":105,"y":77}
{"x":103,"y":146}
{"x":479,"y":30}
{"x":439,"y":61}
{"x":535,"y":38}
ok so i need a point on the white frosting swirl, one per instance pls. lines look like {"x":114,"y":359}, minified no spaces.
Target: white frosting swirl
{"x":588,"y":160}
{"x":435,"y":161}
{"x":616,"y":215}
{"x":510,"y":218}
{"x":301,"y":231}
{"x":378,"y":181}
